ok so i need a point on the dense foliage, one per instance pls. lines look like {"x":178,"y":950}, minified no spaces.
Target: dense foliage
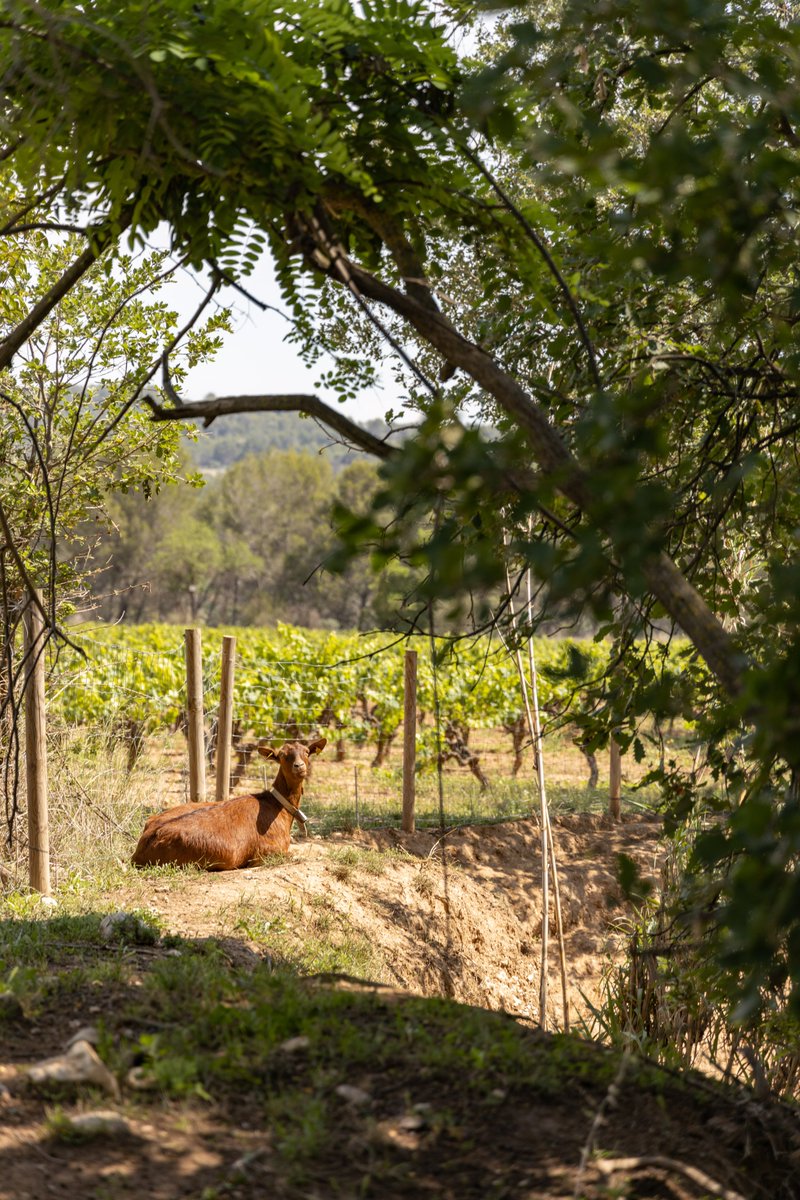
{"x":69,"y":436}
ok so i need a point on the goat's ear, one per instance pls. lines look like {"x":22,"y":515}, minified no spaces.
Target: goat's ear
{"x":317,"y":746}
{"x":267,"y":752}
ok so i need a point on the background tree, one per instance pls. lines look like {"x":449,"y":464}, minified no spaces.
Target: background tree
{"x":256,"y":545}
{"x":70,"y":438}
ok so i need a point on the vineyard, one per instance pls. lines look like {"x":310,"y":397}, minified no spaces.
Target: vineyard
{"x":130,"y":691}
{"x":293,"y":681}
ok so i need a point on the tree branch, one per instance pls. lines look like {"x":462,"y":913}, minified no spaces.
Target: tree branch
{"x":208,"y":410}
{"x":680,"y":599}
{"x":609,"y":1166}
{"x":44,"y":226}
{"x":11,"y":344}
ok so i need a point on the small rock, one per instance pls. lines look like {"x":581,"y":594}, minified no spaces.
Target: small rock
{"x":86,"y":1033}
{"x":10,"y":1007}
{"x":392,"y":1131}
{"x":94,"y":1124}
{"x":353,"y":1095}
{"x":80,"y":1064}
{"x":411,"y":1123}
{"x":48,"y":902}
{"x":127,"y":927}
{"x":498,"y":1093}
{"x":295,"y":1044}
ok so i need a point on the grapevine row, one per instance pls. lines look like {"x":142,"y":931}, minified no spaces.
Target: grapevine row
{"x":291,"y":681}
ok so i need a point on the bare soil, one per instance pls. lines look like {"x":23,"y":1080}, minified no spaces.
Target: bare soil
{"x":465,"y":924}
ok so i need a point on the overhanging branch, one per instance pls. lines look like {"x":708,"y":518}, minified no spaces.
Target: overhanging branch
{"x":208,"y":410}
{"x":667,"y":583}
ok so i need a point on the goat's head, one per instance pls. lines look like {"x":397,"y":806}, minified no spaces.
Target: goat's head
{"x":293,"y":758}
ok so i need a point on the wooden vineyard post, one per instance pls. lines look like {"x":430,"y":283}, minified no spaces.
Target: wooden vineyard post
{"x":355,"y":783}
{"x":194,"y":716}
{"x":36,"y":749}
{"x":225,"y":718}
{"x":615,"y":780}
{"x":409,"y":740}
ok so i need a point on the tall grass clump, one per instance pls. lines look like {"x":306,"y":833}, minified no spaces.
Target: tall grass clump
{"x":672,"y":1001}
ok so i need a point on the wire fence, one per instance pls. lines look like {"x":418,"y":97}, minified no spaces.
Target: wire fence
{"x":124,"y":709}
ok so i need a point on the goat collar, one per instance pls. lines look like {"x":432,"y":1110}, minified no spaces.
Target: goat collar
{"x":297,"y":813}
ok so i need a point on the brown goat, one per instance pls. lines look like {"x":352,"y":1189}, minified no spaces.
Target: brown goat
{"x":233,"y":833}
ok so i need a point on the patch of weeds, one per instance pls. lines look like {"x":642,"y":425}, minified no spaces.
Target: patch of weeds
{"x":347,"y":859}
{"x":343,"y":871}
{"x":134,"y":927}
{"x":250,"y":920}
{"x":166,"y":874}
{"x":352,"y":954}
{"x":75,"y":885}
{"x":274,"y":860}
{"x":59,"y":1125}
{"x":310,"y":940}
{"x":302,"y":1127}
{"x":173,"y":1074}
{"x":425,"y":879}
{"x":40,"y":938}
{"x":22,"y":982}
{"x":23,"y":904}
{"x":177,"y":982}
{"x":323,"y":914}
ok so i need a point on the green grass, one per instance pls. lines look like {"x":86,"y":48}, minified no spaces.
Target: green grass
{"x":213,"y":1025}
{"x":347,"y":861}
{"x":464,"y":803}
{"x":310,"y":938}
{"x":216,"y":1026}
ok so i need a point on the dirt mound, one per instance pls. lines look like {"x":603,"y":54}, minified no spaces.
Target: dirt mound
{"x":458,"y":917}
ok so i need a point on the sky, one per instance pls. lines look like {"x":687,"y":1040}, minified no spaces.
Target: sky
{"x":255,"y":360}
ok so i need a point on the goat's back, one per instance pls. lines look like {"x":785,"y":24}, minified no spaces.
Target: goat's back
{"x":168,"y":814}
{"x":216,"y":836}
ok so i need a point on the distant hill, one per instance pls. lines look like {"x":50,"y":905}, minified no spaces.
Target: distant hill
{"x":232,"y":438}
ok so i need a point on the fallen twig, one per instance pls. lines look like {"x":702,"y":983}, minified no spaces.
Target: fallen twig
{"x":608,"y":1166}
{"x":609,"y":1101}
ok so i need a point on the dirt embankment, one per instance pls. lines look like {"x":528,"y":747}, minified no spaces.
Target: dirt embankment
{"x":465,"y":925}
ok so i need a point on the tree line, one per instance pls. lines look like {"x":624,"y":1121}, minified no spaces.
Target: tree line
{"x":251,"y":547}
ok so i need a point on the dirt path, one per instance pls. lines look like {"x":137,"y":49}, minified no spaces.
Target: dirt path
{"x":469,"y":929}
